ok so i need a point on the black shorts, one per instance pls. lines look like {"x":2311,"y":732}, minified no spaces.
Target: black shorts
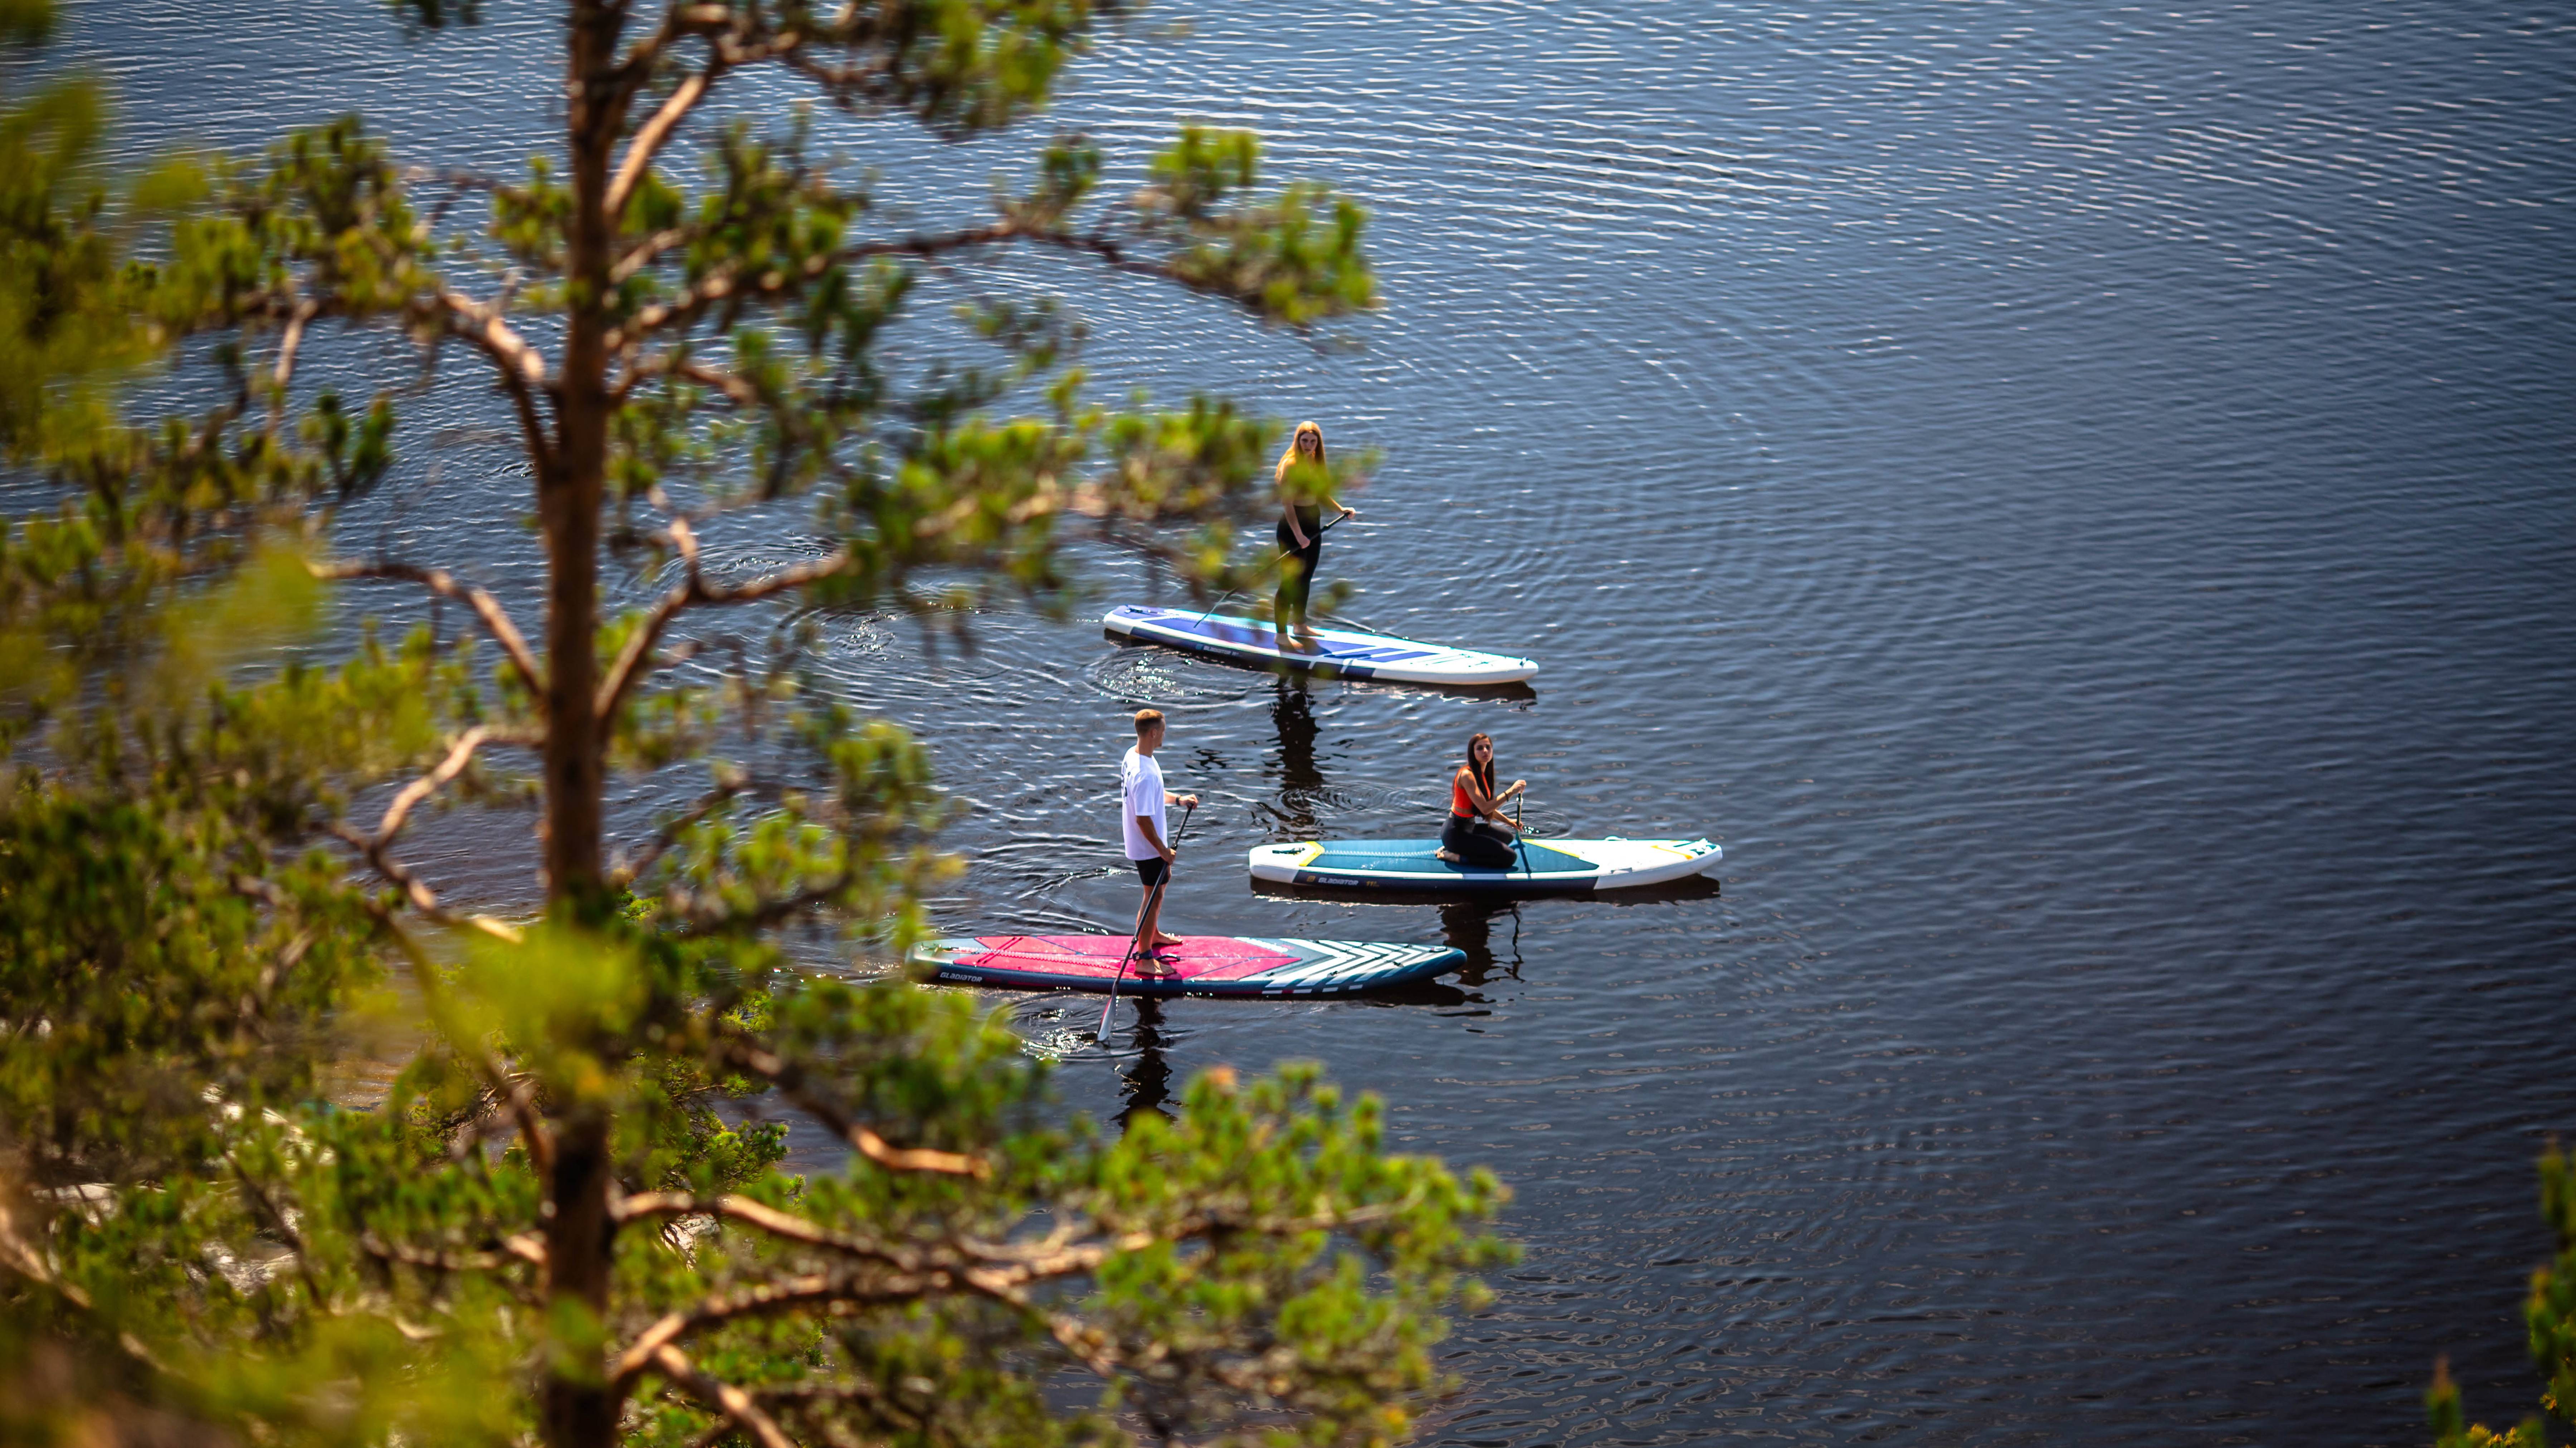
{"x":1151,"y":870}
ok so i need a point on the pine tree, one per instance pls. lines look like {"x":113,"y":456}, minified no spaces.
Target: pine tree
{"x":2550,"y":1316}
{"x":548,"y":1230}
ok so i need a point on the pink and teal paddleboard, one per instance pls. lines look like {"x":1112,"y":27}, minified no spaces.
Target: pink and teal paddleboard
{"x":1201,"y":965}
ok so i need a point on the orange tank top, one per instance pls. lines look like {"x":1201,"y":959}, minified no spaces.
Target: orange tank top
{"x":1459,"y":805}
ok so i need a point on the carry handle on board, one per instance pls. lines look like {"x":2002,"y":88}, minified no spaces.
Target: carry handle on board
{"x":1152,"y":898}
{"x":1231,"y":592}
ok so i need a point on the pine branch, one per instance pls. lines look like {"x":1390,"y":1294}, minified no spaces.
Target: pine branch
{"x":522,"y":367}
{"x":693,"y":590}
{"x":287,"y":346}
{"x":527,"y":1247}
{"x":520,"y":1095}
{"x":784,"y":1225}
{"x":628,"y":871}
{"x":644,"y":253}
{"x":768,"y":912}
{"x":789,"y":1078}
{"x":733,"y":1402}
{"x":415,"y":893}
{"x":1004,"y":1284}
{"x":729,"y":283}
{"x":459,"y":755}
{"x":495,"y":619}
{"x":376,"y":848}
{"x":25,"y":1258}
{"x":681,"y":22}
{"x":1004,"y":1263}
{"x":845,"y":82}
{"x":786,"y":1294}
{"x":737,"y":389}
{"x":655,"y":133}
{"x":744,"y":394}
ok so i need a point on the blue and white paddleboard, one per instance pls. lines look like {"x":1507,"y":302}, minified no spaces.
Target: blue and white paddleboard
{"x":1576,"y":866}
{"x":1343,"y":653}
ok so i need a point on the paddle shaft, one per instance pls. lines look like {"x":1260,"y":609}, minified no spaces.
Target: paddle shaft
{"x":1153,"y":898}
{"x":1284,"y":552}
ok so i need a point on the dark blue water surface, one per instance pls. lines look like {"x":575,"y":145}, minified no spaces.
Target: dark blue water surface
{"x":2076,"y":498}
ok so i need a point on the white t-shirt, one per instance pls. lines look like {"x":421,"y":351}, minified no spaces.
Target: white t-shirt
{"x":1140,"y":792}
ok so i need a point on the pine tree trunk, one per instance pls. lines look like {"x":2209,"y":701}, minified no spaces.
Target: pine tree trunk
{"x":579,"y":1409}
{"x":568,"y":501}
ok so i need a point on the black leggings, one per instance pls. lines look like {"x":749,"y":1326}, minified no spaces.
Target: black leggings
{"x":1476,"y":842}
{"x":1296,"y":575}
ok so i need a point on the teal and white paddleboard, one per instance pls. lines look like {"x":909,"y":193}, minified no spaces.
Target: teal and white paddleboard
{"x":1542,"y":866}
{"x":1344,"y":653}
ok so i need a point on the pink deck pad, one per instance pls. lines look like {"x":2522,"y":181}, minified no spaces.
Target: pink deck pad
{"x":1197,"y":957}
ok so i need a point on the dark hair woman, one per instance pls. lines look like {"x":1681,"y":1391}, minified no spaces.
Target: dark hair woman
{"x":1478,"y":834}
{"x":1301,"y":533}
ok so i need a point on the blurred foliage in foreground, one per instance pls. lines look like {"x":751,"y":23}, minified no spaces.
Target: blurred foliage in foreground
{"x":566,"y":1221}
{"x":2549,"y":1314}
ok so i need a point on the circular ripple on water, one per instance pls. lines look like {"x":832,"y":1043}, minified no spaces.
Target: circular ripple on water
{"x":1050,"y":1041}
{"x":864,"y":636}
{"x":1160,"y":678}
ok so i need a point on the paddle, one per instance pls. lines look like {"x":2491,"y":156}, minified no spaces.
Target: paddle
{"x":1231,"y":592}
{"x":1520,"y":841}
{"x":1151,"y":899}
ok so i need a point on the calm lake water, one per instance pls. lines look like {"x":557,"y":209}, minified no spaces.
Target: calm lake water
{"x":2077,"y":499}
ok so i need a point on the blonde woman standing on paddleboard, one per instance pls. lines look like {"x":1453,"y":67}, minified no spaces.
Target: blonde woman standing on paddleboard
{"x":1478,"y":833}
{"x":1301,"y":532}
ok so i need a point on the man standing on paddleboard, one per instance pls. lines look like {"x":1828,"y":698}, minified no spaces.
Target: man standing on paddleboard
{"x":1140,"y":810}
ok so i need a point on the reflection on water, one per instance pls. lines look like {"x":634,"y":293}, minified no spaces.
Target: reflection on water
{"x":1147,"y":1079}
{"x":1468,"y":925}
{"x":1301,"y":778}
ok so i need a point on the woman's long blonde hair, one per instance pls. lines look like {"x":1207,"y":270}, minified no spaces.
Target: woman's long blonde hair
{"x":1288,"y":459}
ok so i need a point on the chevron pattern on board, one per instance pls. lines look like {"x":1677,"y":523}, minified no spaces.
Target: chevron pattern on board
{"x":1339,"y":963}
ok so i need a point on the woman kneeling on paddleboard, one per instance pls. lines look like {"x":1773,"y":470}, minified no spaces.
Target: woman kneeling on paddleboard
{"x":1301,"y":533}
{"x":1478,"y":833}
